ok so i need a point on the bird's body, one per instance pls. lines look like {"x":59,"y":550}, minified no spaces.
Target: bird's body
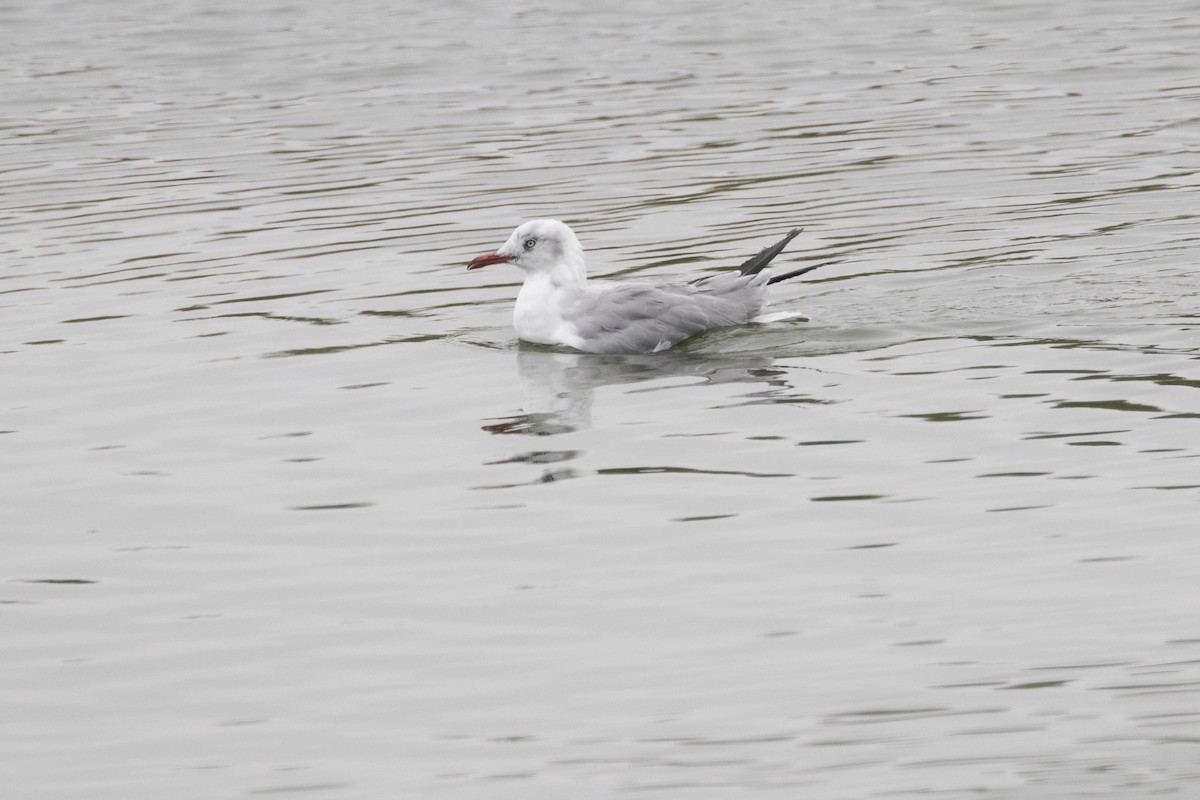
{"x":557,"y":305}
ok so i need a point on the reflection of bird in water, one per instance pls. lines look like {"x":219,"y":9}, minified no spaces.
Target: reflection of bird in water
{"x":556,"y":304}
{"x":560,"y":387}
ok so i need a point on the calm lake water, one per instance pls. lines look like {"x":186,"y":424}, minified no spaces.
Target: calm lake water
{"x":288,"y":511}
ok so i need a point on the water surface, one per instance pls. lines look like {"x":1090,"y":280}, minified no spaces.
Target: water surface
{"x":288,"y":510}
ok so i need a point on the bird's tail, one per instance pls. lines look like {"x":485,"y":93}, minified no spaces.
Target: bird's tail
{"x":756,"y":263}
{"x":798,"y":272}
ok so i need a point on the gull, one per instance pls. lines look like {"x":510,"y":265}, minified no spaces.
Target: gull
{"x":558,"y":306}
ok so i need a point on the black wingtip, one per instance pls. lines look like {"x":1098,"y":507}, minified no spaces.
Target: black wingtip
{"x":798,"y":272}
{"x":756,"y":263}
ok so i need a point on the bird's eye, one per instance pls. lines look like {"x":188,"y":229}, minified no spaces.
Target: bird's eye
{"x":529,"y":243}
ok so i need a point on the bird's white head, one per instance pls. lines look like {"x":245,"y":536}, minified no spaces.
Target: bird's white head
{"x":540,"y":245}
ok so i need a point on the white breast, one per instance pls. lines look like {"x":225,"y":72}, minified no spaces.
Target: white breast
{"x":538,"y":315}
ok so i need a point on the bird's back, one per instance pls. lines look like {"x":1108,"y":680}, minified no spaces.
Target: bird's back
{"x":636,"y":317}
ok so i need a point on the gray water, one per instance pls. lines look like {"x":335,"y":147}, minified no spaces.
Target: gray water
{"x":288,"y":511}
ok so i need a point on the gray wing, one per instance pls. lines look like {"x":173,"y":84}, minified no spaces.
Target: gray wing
{"x":642,"y":318}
